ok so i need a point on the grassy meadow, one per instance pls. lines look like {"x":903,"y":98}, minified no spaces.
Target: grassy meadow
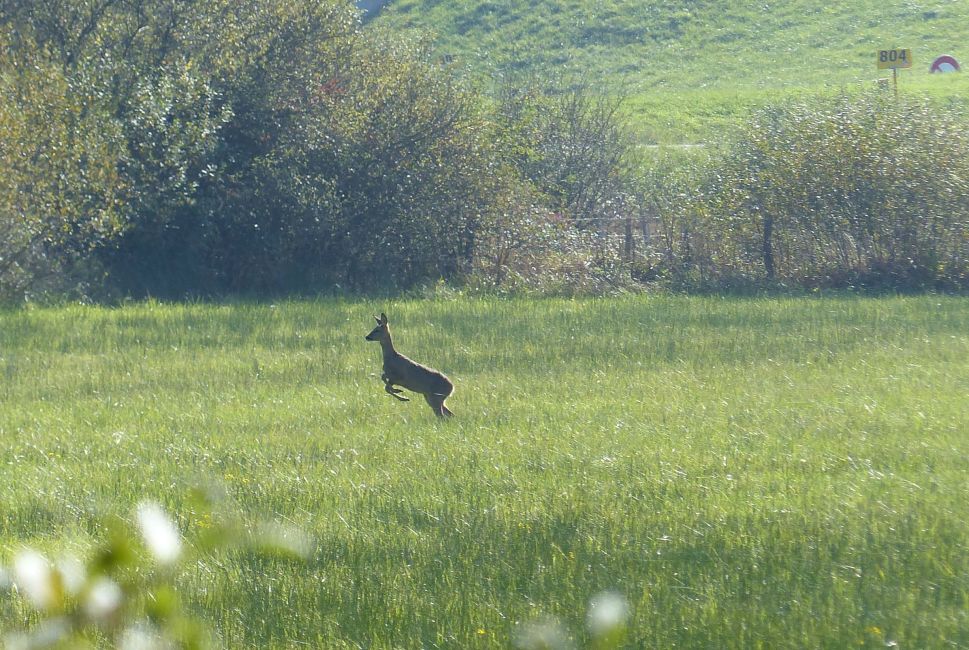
{"x":693,"y":71}
{"x":745,"y":472}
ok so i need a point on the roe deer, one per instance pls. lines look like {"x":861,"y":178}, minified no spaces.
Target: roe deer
{"x":399,"y":370}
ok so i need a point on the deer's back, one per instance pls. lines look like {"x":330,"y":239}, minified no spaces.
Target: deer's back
{"x":415,"y":376}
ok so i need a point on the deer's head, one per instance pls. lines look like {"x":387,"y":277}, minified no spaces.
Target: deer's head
{"x":380,"y":332}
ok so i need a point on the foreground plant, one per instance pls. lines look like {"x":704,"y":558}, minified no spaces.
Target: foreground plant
{"x":125,"y":591}
{"x":607,"y":623}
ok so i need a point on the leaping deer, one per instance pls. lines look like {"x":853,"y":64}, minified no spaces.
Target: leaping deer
{"x":401,"y":371}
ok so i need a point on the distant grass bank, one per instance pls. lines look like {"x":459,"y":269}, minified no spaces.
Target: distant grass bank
{"x":711,"y":115}
{"x":762,"y":472}
{"x":694,"y":70}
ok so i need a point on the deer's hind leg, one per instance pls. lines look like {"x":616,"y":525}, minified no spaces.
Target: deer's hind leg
{"x":436,"y":403}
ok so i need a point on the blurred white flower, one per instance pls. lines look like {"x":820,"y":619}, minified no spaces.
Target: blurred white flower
{"x":143,"y":637}
{"x":73,"y":575}
{"x":608,"y":612}
{"x":16,"y":641}
{"x":47,"y":634}
{"x":34,"y":577}
{"x":160,"y":534}
{"x":284,"y":539}
{"x":545,"y":634}
{"x":103,"y":599}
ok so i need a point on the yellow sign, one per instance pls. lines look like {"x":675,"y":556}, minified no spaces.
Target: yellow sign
{"x":888,"y":59}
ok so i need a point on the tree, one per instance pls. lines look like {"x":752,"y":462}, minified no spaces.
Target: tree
{"x":60,"y":190}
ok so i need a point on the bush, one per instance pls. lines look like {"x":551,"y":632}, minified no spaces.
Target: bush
{"x":245,"y":147}
{"x":861,"y":189}
{"x":561,"y":227}
{"x":60,"y":187}
{"x":382,"y":181}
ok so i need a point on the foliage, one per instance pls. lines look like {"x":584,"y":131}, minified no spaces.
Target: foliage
{"x":168,"y":148}
{"x":137,"y":118}
{"x":60,"y":188}
{"x":381,"y":182}
{"x":854,"y":189}
{"x":664,"y":192}
{"x":528,"y":249}
{"x":745,"y":472}
{"x":572,"y":145}
{"x":261,"y":147}
{"x":555,"y":230}
{"x":125,"y":591}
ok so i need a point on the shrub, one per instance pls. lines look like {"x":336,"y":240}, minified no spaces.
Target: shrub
{"x":60,"y":188}
{"x":859,"y":189}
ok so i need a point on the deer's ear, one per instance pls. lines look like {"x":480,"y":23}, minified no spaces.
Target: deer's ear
{"x":383,"y":318}
{"x":378,"y":320}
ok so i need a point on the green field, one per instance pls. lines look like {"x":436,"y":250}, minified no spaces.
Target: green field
{"x":693,"y":70}
{"x":745,"y":472}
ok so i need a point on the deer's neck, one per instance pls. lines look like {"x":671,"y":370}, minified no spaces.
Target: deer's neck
{"x":387,"y":347}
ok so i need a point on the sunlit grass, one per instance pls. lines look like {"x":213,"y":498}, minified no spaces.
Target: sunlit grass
{"x":693,"y":71}
{"x":744,"y":472}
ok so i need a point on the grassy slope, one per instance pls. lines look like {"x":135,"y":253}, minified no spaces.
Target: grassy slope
{"x":748,"y":473}
{"x":694,"y":66}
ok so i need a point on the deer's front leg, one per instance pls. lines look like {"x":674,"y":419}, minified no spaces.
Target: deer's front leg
{"x":393,"y":392}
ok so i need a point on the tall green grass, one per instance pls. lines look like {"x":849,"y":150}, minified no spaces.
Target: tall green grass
{"x":777,"y":473}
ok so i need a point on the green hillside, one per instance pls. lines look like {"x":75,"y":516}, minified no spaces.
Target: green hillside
{"x":692,"y":66}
